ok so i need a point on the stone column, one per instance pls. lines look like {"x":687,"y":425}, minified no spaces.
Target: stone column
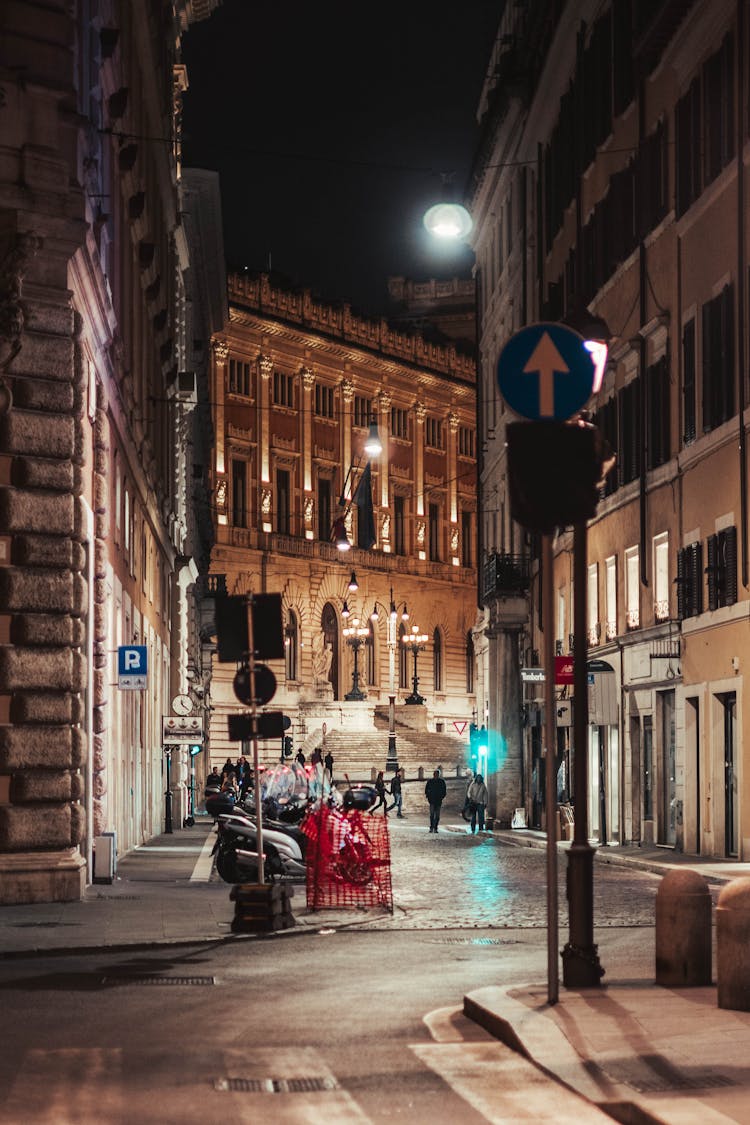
{"x":508,"y":617}
{"x":419,"y":521}
{"x":265,"y":370}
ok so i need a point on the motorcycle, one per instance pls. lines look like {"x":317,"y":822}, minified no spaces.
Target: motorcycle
{"x":236,"y":849}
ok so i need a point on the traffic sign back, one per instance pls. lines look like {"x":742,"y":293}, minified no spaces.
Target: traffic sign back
{"x":545,"y":371}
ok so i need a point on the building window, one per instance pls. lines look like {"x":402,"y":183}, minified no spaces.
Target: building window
{"x":632,"y":588}
{"x":239,"y":378}
{"x":688,"y":383}
{"x":403,"y":658}
{"x":465,"y":441}
{"x":594,"y":630}
{"x":467,"y":555}
{"x":722,"y":568}
{"x":291,"y":645}
{"x":126,"y":524}
{"x":325,"y":520}
{"x":370,"y":657}
{"x":718,"y":359}
{"x":399,"y":526}
{"x":434,"y":433}
{"x":283,"y":389}
{"x":239,"y":493}
{"x":399,"y":422}
{"x":690,"y":581}
{"x":611,"y":595}
{"x":283,"y":502}
{"x":433,"y":515}
{"x":629,"y":419}
{"x":323,"y":400}
{"x":661,"y":577}
{"x":362,"y":411}
{"x":437,"y":661}
{"x":469,"y":664}
{"x":657,"y":417}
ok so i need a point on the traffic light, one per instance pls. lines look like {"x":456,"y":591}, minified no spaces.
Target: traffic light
{"x":288,"y":745}
{"x":195,"y":749}
{"x":555,"y":471}
{"x":479,"y":748}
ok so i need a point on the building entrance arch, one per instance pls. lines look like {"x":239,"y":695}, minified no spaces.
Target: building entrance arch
{"x":330,"y":625}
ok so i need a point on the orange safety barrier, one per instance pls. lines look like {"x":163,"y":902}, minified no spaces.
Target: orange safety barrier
{"x":348,"y":859}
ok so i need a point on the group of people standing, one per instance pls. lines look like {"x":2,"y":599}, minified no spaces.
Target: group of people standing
{"x":475,"y":802}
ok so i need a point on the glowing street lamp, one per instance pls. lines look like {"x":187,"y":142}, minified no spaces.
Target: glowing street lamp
{"x":414,"y":641}
{"x":355,"y":636}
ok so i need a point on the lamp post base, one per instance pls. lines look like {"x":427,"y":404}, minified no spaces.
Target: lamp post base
{"x":391,"y":762}
{"x":414,"y":698}
{"x":580,"y":957}
{"x":355,"y":695}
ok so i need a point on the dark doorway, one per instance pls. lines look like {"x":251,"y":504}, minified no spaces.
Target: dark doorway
{"x":330,"y":625}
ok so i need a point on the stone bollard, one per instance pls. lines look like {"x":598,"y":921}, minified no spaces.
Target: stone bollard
{"x":733,"y":945}
{"x":683,"y":930}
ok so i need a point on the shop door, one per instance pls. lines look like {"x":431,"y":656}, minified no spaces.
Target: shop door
{"x":668,"y":820}
{"x":729,"y":703}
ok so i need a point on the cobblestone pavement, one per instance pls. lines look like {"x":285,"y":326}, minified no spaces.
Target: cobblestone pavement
{"x":454,"y":880}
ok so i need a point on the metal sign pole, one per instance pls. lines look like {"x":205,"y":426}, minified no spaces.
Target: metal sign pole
{"x":548,"y":609}
{"x":168,"y":794}
{"x":256,"y":764}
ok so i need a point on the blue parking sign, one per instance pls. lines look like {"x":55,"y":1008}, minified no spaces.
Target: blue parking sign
{"x":132,"y":667}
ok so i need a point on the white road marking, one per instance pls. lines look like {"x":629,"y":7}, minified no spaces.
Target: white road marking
{"x":202,"y":870}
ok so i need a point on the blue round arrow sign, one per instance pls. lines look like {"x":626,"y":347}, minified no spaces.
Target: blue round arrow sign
{"x":546,"y":371}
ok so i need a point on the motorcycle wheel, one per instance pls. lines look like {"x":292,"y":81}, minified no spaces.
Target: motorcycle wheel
{"x":227,"y":867}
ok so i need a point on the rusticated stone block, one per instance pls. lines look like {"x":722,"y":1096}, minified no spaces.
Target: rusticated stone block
{"x":52,"y":355}
{"x":42,"y":785}
{"x":77,"y":824}
{"x":42,"y":629}
{"x":101,"y":429}
{"x":99,"y":720}
{"x":80,"y":672}
{"x":36,"y":590}
{"x":100,"y":784}
{"x":77,"y":787}
{"x":37,"y":394}
{"x":79,"y":709}
{"x":101,"y":686}
{"x":101,"y":655}
{"x":99,"y":817}
{"x":36,"y":747}
{"x":28,"y":707}
{"x":43,"y":550}
{"x":100,"y":620}
{"x":24,"y":510}
{"x":32,"y":433}
{"x":79,"y":633}
{"x":54,"y":475}
{"x":28,"y":827}
{"x":51,"y":669}
{"x":100,"y":591}
{"x":101,"y":494}
{"x":101,"y":460}
{"x":98,"y":753}
{"x":100,"y":561}
{"x":81,"y":594}
{"x":101,"y":524}
{"x":56,"y":320}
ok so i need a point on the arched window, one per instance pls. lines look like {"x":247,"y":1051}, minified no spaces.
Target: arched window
{"x":370,"y":660}
{"x":403,"y":658}
{"x":291,"y":645}
{"x":437,"y":661}
{"x":469,"y":663}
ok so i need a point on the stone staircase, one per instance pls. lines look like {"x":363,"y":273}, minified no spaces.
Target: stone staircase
{"x":360,"y":754}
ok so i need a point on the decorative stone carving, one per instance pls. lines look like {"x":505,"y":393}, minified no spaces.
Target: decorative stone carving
{"x":454,"y":541}
{"x":384,"y":400}
{"x":347,"y":390}
{"x":308,"y":378}
{"x":265,"y":504}
{"x":421,"y":530}
{"x":221,"y":495}
{"x":12,"y":269}
{"x":221,"y":352}
{"x":265,"y":366}
{"x":453,"y":421}
{"x":309,"y":505}
{"x":420,"y":411}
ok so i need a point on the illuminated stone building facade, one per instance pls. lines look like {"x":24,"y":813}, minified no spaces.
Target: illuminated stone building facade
{"x":612,"y":175}
{"x":297,"y":384}
{"x":96,"y":541}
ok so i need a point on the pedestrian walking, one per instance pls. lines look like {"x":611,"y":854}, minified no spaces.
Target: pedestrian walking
{"x":226,"y":769}
{"x":380,"y":790}
{"x":396,"y":794}
{"x":478,"y":798}
{"x":435,"y":792}
{"x":301,"y":757}
{"x":328,"y":763}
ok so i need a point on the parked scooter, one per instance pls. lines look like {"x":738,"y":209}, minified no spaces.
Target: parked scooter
{"x":236,"y":849}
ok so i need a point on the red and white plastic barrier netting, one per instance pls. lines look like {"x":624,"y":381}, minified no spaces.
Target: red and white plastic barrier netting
{"x":348,"y":859}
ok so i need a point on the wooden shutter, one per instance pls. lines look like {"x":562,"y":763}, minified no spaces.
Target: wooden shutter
{"x":712,"y":572}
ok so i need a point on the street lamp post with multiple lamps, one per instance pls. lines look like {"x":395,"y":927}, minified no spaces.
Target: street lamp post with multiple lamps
{"x":414,"y":641}
{"x":355,"y":636}
{"x":391,"y":764}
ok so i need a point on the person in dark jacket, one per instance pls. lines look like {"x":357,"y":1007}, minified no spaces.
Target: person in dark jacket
{"x":380,"y":790}
{"x":396,"y":793}
{"x":435,"y":792}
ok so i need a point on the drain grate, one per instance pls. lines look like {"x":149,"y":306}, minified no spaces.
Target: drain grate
{"x":473,"y":941}
{"x":158,"y":980}
{"x":303,"y":1085}
{"x":118,"y":898}
{"x":653,"y":1074}
{"x":41,"y":925}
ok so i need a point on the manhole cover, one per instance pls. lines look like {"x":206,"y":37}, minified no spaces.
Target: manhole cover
{"x":302,"y":1085}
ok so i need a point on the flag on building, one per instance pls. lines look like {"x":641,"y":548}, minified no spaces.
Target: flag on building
{"x":366,"y":536}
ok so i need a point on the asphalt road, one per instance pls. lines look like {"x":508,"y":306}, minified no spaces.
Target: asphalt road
{"x":362,"y":1024}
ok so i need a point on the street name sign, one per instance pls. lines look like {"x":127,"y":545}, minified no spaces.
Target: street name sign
{"x":546,"y":371}
{"x":132,"y":667}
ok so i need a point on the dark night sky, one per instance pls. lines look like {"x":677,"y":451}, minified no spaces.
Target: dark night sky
{"x":330,"y":125}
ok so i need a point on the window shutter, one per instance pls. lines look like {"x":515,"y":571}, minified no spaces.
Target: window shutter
{"x":729,"y":560}
{"x":682,"y":612}
{"x":695,"y":577}
{"x":711,"y":571}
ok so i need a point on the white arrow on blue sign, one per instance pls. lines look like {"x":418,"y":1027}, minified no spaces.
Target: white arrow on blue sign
{"x":132,"y":667}
{"x":546,"y":371}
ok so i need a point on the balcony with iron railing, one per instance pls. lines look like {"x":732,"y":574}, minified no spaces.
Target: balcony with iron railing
{"x":505,"y":576}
